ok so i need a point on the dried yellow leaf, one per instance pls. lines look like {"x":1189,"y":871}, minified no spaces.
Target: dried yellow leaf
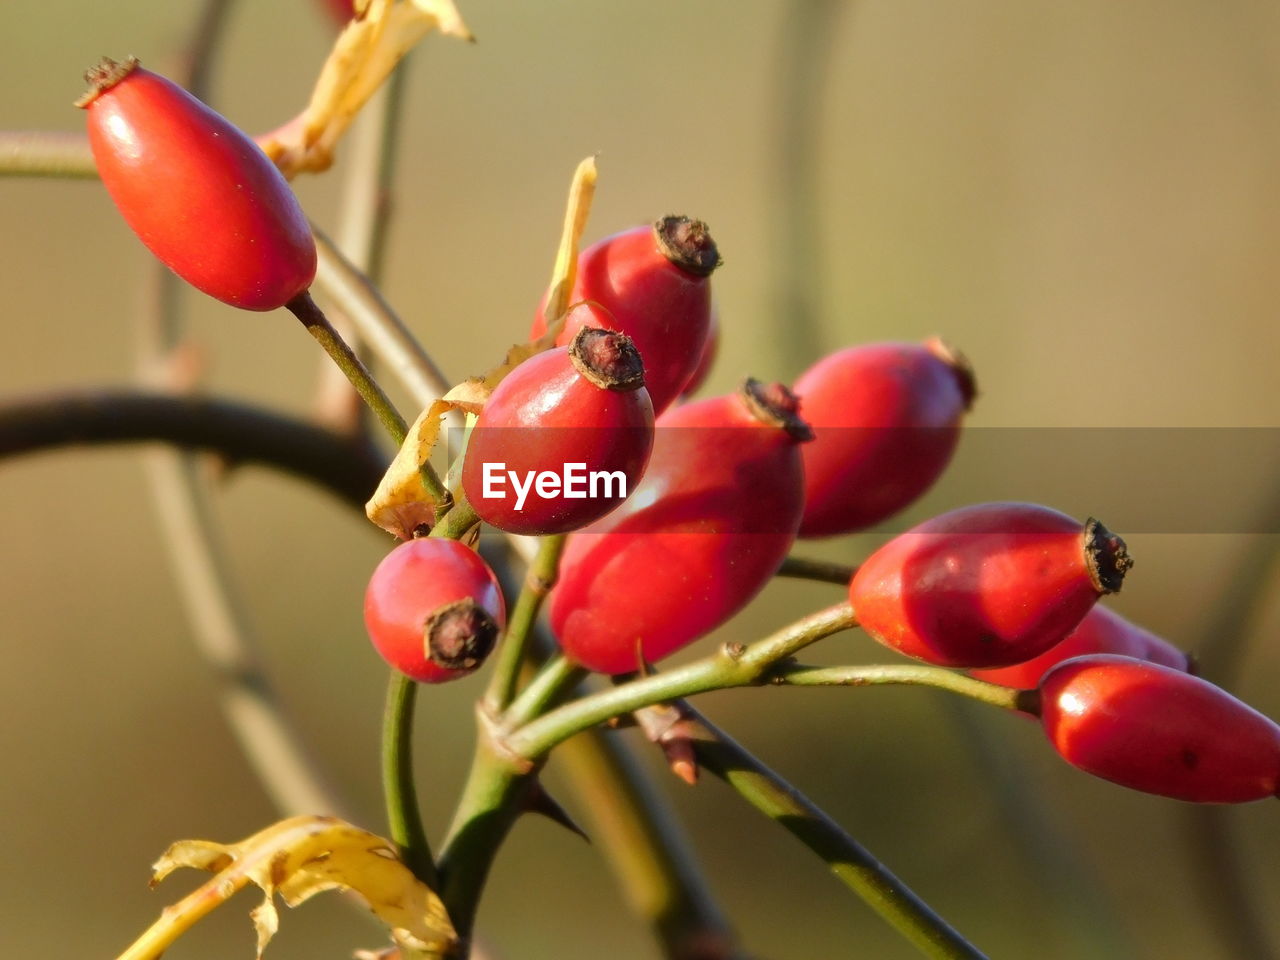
{"x":298,"y":858}
{"x":363,"y":56}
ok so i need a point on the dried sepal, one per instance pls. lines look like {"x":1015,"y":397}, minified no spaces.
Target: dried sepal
{"x":298,"y":858}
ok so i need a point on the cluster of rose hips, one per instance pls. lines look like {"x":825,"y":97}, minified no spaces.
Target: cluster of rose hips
{"x":717,"y":489}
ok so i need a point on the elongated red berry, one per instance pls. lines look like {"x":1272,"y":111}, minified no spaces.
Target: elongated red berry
{"x":563,"y":439}
{"x":886,"y":420}
{"x":1159,"y":730}
{"x":988,"y":585}
{"x":709,"y":350}
{"x":196,"y":190}
{"x":651,"y":283}
{"x":433,"y":609}
{"x":702,"y":534}
{"x":1101,"y":631}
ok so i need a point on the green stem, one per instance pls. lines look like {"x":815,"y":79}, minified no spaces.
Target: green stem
{"x":455,"y":524}
{"x":387,"y":337}
{"x":732,"y":666}
{"x":403,"y":815}
{"x":491,"y":802}
{"x":538,"y":581}
{"x":305,"y":309}
{"x":823,"y":571}
{"x":556,"y":676}
{"x":911,"y":674}
{"x":852,"y":864}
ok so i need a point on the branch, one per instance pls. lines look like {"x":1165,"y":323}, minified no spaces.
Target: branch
{"x":823,"y":571}
{"x":240,"y":432}
{"x":852,"y":864}
{"x":732,"y":666}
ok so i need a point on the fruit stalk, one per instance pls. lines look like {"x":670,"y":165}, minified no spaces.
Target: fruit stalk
{"x":404,"y":820}
{"x":539,"y":579}
{"x":734,"y":665}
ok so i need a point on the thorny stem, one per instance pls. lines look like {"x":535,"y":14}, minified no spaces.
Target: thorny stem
{"x":539,"y":579}
{"x":853,"y":865}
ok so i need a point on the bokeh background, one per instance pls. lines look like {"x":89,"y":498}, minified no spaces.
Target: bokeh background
{"x":1082,"y":196}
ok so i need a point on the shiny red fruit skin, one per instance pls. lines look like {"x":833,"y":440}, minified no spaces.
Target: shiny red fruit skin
{"x":887,"y":419}
{"x":1101,"y":631}
{"x":713,"y":518}
{"x":411,"y":583}
{"x":710,"y":347}
{"x":545,"y":414}
{"x":200,"y":193}
{"x":666,"y":310}
{"x":983,"y":586}
{"x":1159,"y":730}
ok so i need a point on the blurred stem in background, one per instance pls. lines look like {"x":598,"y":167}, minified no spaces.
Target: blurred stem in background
{"x":806,"y":40}
{"x":190,"y":532}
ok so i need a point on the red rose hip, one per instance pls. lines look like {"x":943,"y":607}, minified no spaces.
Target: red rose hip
{"x":988,"y":585}
{"x":1101,"y":631}
{"x":563,"y":439}
{"x":651,"y":283}
{"x":1159,"y":730}
{"x":196,"y":190}
{"x":886,"y":420}
{"x":433,"y":609}
{"x":702,"y":534}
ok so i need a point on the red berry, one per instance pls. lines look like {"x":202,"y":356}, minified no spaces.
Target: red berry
{"x":652,"y":284}
{"x":987,"y":585}
{"x":583,"y":405}
{"x":886,"y":419}
{"x":1101,"y":631}
{"x":702,"y":534}
{"x":196,"y":190}
{"x":433,"y":609}
{"x":1159,"y":730}
{"x":708,"y":358}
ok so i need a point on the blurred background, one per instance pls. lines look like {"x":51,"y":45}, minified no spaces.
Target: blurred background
{"x":1081,"y":196}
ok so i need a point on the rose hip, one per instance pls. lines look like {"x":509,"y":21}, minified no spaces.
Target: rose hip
{"x":702,"y":534}
{"x":1101,"y":631}
{"x":886,"y":420}
{"x":1159,"y":730}
{"x":651,"y":283}
{"x":433,"y":609}
{"x":583,"y":405}
{"x":196,"y":190}
{"x":987,"y":585}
